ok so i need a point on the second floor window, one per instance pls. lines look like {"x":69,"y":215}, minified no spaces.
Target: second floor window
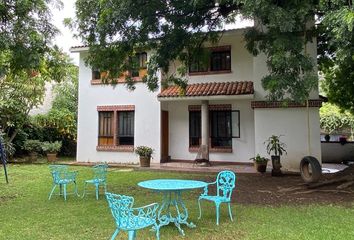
{"x":140,"y":62}
{"x":219,"y":60}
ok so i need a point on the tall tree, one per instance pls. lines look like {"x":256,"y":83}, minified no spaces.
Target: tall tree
{"x":176,"y":30}
{"x":336,"y":51}
{"x":28,"y":59}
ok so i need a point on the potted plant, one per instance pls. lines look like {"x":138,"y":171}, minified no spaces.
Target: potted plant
{"x":144,"y":153}
{"x":260,"y":163}
{"x":51,"y":148}
{"x":32,"y":147}
{"x":275,"y":148}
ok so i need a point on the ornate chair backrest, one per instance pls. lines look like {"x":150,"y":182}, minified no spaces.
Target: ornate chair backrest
{"x":225,"y":184}
{"x":120,"y":206}
{"x":100,"y":171}
{"x":58,"y":172}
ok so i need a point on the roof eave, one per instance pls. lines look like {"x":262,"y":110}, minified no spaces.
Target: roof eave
{"x":78,"y":49}
{"x":217,"y":97}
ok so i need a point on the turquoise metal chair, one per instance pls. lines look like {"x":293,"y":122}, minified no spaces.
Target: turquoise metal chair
{"x":131,"y":219}
{"x":225,"y":183}
{"x":62,"y":177}
{"x":99,"y":178}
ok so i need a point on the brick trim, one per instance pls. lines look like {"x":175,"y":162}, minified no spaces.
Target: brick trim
{"x":116,"y":108}
{"x":220,"y":107}
{"x":121,"y":148}
{"x":118,"y":81}
{"x":194,"y":108}
{"x":213,"y":107}
{"x":280,"y":104}
{"x":212,"y":150}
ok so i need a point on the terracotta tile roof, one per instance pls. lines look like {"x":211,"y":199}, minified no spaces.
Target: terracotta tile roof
{"x":80,"y":46}
{"x":210,"y":89}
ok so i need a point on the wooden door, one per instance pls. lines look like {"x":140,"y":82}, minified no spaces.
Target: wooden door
{"x":164,"y":136}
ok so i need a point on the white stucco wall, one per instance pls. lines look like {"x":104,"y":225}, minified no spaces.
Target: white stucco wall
{"x":243,"y":147}
{"x":292,"y":124}
{"x":147,"y":118}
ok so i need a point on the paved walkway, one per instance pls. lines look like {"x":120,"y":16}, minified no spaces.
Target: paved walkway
{"x":214,"y":168}
{"x":180,"y":167}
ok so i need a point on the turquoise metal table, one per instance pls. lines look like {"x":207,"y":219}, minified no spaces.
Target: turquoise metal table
{"x":172,"y":196}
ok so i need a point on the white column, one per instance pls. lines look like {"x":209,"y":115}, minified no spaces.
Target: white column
{"x":205,"y":128}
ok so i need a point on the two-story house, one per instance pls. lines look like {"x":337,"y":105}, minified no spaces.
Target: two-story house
{"x":224,"y":106}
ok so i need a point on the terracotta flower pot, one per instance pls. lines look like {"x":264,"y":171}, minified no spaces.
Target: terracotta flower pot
{"x":52,"y":157}
{"x":276,"y":166}
{"x":261,"y":167}
{"x":145,"y":161}
{"x":33,"y":156}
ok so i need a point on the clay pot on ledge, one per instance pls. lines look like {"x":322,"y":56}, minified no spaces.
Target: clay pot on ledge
{"x":52,"y":157}
{"x":145,"y":161}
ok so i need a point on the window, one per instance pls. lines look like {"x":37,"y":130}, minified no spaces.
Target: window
{"x":194,"y":128}
{"x":140,"y":61}
{"x":138,"y":69}
{"x":126,"y":128}
{"x":220,"y":128}
{"x":96,"y":74}
{"x":219,"y":60}
{"x":223,"y":126}
{"x":116,"y":127}
{"x":105,"y":128}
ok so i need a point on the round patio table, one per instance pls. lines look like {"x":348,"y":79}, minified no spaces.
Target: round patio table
{"x":172,"y":196}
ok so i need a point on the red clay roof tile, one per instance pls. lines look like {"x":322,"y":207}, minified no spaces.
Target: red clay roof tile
{"x":210,"y":89}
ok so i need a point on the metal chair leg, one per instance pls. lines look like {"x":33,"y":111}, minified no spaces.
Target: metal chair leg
{"x":157,"y":231}
{"x":97,"y":190}
{"x":51,"y":192}
{"x":217,"y":206}
{"x":76,"y":192}
{"x":200,"y":210}
{"x":132,"y":235}
{"x":115,"y":234}
{"x":84,"y":193}
{"x":65,"y":192}
{"x":230,"y":213}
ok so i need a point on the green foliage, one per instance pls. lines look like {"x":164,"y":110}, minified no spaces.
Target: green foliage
{"x":336,"y":51}
{"x":60,"y":123}
{"x":19,"y":95}
{"x":275,"y":146}
{"x":28,"y":59}
{"x":144,"y":151}
{"x":26,"y":35}
{"x":333,"y":119}
{"x":259,"y":159}
{"x":177,"y":30}
{"x":9,"y":147}
{"x":32,"y":145}
{"x":51,"y":147}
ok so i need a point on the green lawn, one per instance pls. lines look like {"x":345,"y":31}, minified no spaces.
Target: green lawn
{"x":25,"y":212}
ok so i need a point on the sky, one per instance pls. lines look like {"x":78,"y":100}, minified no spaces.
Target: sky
{"x":65,"y":40}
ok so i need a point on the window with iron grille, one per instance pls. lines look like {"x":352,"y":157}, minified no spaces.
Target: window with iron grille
{"x":125,"y":128}
{"x":194,"y":128}
{"x":223,"y":125}
{"x":116,"y":128}
{"x":105,"y":128}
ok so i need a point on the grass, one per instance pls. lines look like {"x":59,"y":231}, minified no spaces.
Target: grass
{"x":26,"y":213}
